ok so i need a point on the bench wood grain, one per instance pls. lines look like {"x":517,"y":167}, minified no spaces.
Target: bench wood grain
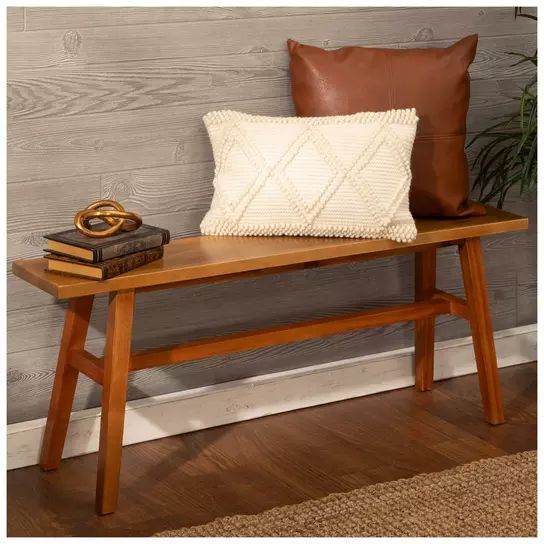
{"x":213,"y":259}
{"x":201,"y":258}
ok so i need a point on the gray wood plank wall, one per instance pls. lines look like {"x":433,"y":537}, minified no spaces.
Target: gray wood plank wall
{"x":107,"y":102}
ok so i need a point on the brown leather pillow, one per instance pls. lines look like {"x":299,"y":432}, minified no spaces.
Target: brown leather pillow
{"x":434,"y":81}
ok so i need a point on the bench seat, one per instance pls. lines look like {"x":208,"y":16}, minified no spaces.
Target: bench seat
{"x":201,"y":258}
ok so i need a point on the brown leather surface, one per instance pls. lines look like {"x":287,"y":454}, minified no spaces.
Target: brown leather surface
{"x":434,"y":81}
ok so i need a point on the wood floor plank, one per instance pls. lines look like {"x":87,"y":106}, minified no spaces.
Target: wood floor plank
{"x":254,"y":465}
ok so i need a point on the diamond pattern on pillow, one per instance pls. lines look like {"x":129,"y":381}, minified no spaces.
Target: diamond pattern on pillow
{"x":313,"y":176}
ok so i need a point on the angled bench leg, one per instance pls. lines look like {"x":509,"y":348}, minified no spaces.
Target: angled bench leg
{"x":425,"y":284}
{"x":114,"y":394}
{"x":472,"y":265}
{"x":76,"y":324}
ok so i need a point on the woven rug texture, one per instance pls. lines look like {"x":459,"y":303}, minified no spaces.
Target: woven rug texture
{"x":491,"y":497}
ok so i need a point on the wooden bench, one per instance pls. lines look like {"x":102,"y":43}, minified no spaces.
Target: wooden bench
{"x":212,"y":259}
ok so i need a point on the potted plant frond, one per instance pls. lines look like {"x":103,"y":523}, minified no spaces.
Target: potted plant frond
{"x":508,"y":157}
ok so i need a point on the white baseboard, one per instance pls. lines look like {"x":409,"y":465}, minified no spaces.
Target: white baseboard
{"x":210,"y":406}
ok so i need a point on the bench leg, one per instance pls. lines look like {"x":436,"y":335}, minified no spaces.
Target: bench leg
{"x":425,"y":284}
{"x":114,"y":394}
{"x":472,"y":265}
{"x":76,"y":324}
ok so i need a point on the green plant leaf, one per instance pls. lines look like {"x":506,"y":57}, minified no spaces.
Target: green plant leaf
{"x":528,"y":16}
{"x":508,"y":156}
{"x":519,"y":13}
{"x":524,"y":57}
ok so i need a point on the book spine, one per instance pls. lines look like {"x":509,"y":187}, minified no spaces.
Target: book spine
{"x":112,"y":269}
{"x":126,"y":248}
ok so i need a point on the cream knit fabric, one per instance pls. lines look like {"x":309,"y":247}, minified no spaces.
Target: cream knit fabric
{"x":314,"y":176}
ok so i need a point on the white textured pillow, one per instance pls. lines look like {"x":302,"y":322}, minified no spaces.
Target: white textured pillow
{"x":343,"y":175}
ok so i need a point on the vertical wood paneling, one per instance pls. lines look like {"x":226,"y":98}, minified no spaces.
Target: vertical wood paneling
{"x":108,"y":102}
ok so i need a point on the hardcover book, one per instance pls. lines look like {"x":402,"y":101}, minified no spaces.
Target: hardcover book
{"x":94,"y":250}
{"x":105,"y":269}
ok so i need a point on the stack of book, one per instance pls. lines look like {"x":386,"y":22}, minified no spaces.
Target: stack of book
{"x":74,"y":253}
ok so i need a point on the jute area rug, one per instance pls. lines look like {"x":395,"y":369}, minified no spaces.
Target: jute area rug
{"x":492,"y":497}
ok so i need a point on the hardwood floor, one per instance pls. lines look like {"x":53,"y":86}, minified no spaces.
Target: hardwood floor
{"x":282,"y":459}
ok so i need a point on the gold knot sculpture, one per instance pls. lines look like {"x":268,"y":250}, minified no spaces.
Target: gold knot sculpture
{"x":117,"y":218}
